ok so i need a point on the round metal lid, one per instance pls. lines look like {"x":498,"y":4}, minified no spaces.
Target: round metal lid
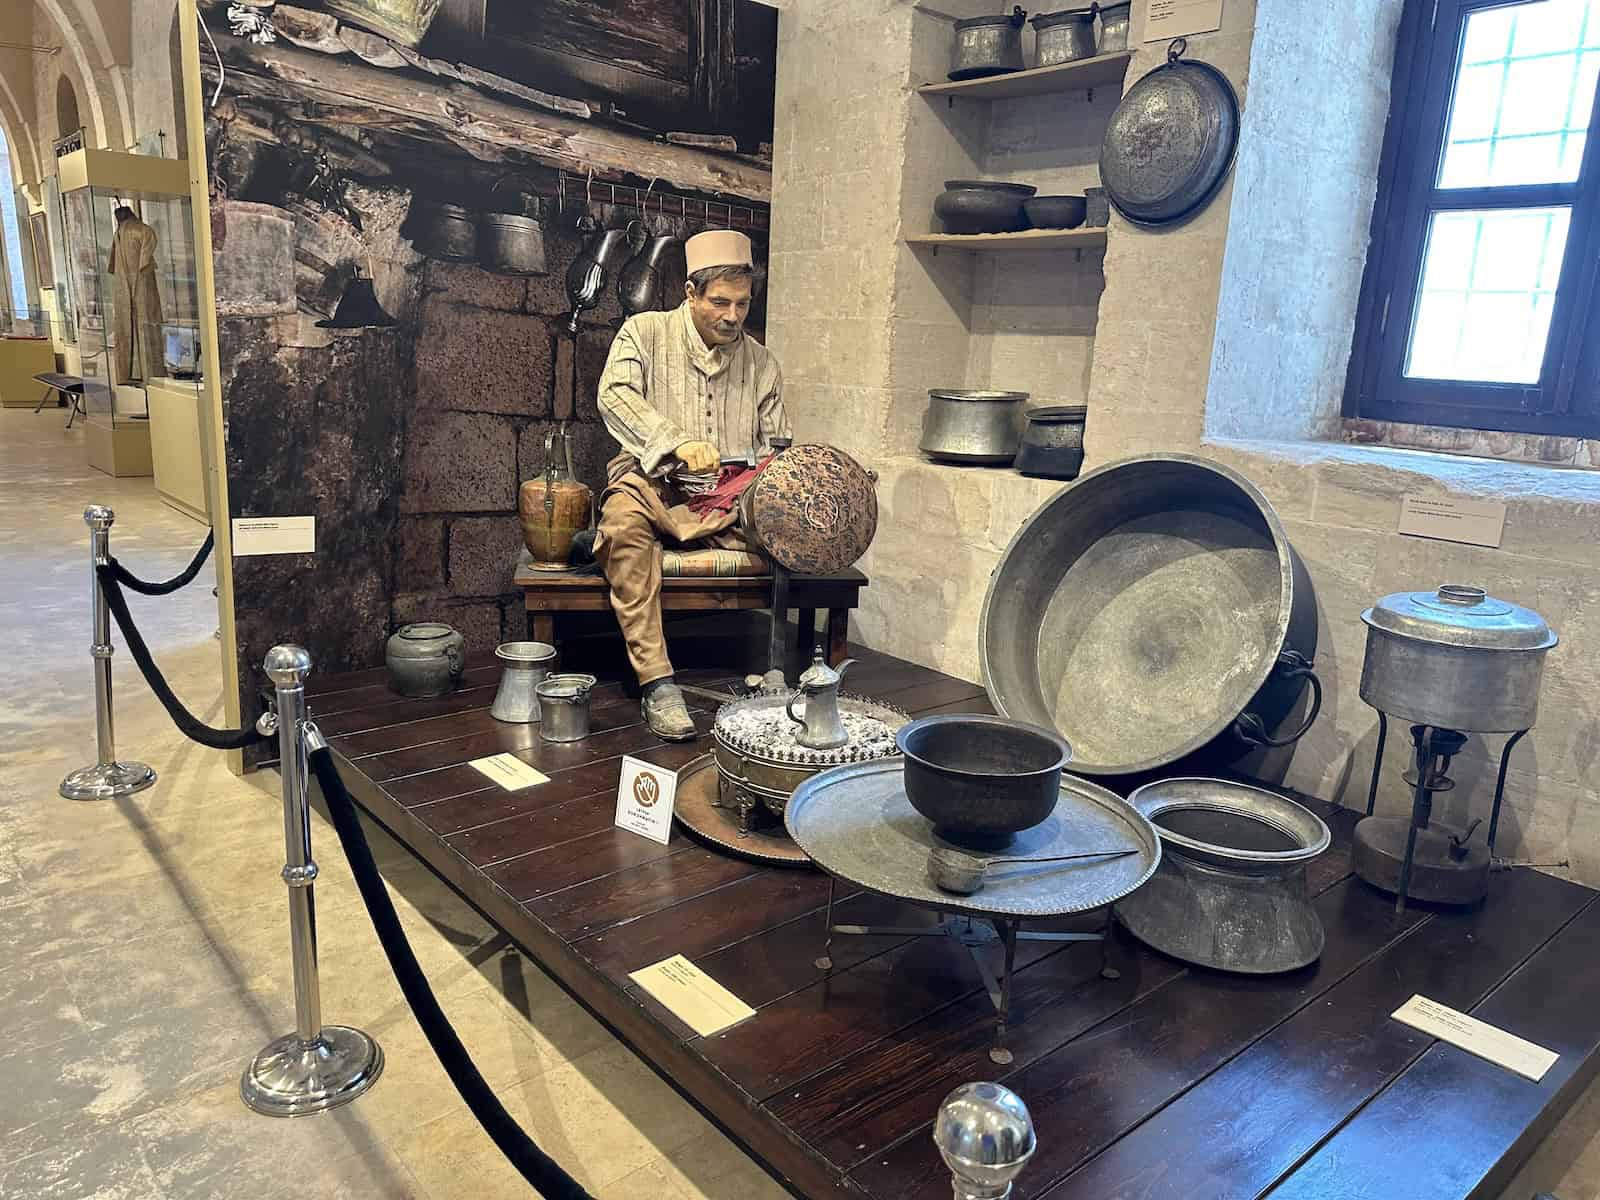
{"x":980,"y":396}
{"x":1057,"y":413}
{"x":1457,"y":614}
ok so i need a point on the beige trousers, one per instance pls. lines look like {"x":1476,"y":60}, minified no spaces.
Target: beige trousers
{"x":637,"y":516}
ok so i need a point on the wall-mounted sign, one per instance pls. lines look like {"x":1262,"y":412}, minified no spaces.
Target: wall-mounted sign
{"x":69,"y":144}
{"x":274,"y":535}
{"x":645,"y":795}
{"x":1167,"y":19}
{"x":1474,"y":522}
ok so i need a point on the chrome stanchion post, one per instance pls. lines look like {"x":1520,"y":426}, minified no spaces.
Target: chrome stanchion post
{"x":985,"y":1136}
{"x":317,"y":1067}
{"x":108,"y":778}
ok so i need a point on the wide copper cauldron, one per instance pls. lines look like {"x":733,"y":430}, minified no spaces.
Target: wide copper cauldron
{"x":1150,"y":610}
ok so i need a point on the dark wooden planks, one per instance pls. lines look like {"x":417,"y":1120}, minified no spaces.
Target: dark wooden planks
{"x":1454,"y":1125}
{"x":634,"y":892}
{"x":1089,"y":1092}
{"x":846,"y":1012}
{"x":583,"y":860}
{"x":1249,"y":1122}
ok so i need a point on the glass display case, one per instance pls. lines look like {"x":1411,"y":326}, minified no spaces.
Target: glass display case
{"x":132,"y":283}
{"x":133,"y":289}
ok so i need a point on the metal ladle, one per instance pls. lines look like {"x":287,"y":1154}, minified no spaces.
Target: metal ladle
{"x":962,"y":873}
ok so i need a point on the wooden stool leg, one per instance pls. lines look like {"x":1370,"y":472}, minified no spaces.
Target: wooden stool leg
{"x":807,"y":639}
{"x":838,"y":635}
{"x":542,"y":627}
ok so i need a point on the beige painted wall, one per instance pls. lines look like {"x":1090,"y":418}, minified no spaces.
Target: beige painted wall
{"x":864,"y":325}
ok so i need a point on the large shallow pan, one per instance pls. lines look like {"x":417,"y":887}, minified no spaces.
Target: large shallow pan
{"x":1171,"y":141}
{"x":1151,"y":610}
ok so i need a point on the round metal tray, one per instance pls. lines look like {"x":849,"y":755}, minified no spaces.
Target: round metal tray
{"x":696,"y":809}
{"x":856,"y":823}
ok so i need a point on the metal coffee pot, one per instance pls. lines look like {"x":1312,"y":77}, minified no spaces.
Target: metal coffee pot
{"x":822,"y":728}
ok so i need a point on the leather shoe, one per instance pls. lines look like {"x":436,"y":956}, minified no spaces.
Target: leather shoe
{"x":667,"y":714}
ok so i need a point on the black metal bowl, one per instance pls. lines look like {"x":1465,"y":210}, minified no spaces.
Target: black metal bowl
{"x":1055,"y":212}
{"x":980,"y":779}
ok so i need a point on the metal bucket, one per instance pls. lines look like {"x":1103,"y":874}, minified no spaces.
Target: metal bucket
{"x":1064,"y":36}
{"x":1230,"y":892}
{"x":1150,"y":610}
{"x":988,"y":45}
{"x":527,"y":665}
{"x":564,"y":707}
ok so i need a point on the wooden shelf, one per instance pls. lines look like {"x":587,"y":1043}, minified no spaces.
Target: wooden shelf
{"x":1039,"y":81}
{"x":1028,"y":239}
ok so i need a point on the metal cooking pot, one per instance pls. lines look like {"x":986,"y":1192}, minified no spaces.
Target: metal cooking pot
{"x":450,"y":233}
{"x":1150,"y":610}
{"x":1064,"y":36}
{"x":564,"y":706}
{"x":1455,"y":658}
{"x":510,"y":244}
{"x":1052,"y":442}
{"x":980,"y":427}
{"x":979,"y":779}
{"x":988,"y":45}
{"x":1113,"y":27}
{"x":1230,"y":891}
{"x":1171,"y":141}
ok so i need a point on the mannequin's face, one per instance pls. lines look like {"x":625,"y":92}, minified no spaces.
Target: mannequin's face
{"x":719,"y":311}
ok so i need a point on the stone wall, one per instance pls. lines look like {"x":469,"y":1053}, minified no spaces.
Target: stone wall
{"x":1225,"y":337}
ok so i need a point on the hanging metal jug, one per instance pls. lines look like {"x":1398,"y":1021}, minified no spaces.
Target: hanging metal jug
{"x":639,"y":285}
{"x":586,"y":277}
{"x":554,"y":507}
{"x":822,"y":728}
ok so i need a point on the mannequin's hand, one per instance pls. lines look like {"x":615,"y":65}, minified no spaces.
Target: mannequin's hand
{"x":701,"y":458}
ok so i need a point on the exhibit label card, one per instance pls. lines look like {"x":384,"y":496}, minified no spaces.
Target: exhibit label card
{"x":645,"y":794}
{"x":1166,"y":19}
{"x":274,"y":535}
{"x":1475,"y":1037}
{"x":509,"y":771}
{"x":692,"y":996}
{"x":1474,"y":522}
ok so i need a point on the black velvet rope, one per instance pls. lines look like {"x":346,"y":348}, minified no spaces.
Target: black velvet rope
{"x":188,"y":725}
{"x":129,"y":580}
{"x":537,"y":1167}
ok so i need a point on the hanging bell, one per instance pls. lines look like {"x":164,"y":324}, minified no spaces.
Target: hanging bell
{"x":358,"y":307}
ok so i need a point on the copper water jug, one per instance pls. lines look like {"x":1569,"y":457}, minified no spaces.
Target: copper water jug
{"x":554,"y":507}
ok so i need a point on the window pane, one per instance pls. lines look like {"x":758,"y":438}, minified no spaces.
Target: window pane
{"x":1520,"y":105}
{"x":1488,"y":288}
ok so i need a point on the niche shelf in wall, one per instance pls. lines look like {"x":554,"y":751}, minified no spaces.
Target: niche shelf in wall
{"x":1027,"y":239}
{"x":1038,"y":81}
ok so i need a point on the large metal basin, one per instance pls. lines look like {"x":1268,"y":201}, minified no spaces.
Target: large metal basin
{"x":1152,"y":609}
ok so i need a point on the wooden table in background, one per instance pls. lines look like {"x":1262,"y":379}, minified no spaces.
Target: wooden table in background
{"x":1168,"y":1082}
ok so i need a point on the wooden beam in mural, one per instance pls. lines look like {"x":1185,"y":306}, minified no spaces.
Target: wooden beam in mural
{"x":456,"y":111}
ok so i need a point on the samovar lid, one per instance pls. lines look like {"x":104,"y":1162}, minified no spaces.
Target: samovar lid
{"x":1460,"y":615}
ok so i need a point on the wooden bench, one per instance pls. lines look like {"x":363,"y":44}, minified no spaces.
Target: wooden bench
{"x":546,"y":595}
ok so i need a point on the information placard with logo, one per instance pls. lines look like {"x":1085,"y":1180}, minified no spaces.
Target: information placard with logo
{"x":645,"y":794}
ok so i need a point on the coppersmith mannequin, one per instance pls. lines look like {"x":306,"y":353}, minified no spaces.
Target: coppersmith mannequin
{"x":683,"y":391}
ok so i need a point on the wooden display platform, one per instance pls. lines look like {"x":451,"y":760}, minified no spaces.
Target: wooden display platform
{"x":1168,"y":1082}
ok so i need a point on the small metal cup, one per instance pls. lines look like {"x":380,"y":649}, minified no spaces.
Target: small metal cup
{"x":527,"y":665}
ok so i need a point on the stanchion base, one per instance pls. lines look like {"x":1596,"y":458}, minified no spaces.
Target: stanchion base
{"x":107,"y":781}
{"x":291,"y":1077}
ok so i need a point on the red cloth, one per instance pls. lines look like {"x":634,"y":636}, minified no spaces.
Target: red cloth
{"x":730,"y":484}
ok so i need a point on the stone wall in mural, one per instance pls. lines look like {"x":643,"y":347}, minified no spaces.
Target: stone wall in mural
{"x":340,"y":154}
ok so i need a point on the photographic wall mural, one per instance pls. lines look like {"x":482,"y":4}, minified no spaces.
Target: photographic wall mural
{"x":460,"y":164}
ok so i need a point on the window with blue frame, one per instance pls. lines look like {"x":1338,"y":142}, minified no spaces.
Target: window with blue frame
{"x":1478,"y":303}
